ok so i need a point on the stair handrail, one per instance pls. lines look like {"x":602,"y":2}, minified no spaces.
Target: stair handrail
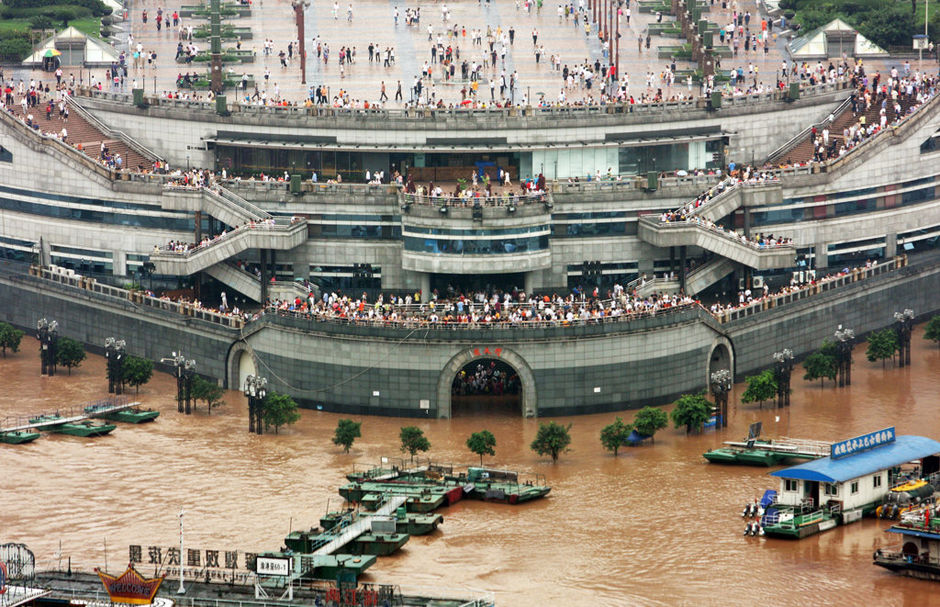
{"x":58,"y":144}
{"x":226,"y":195}
{"x":786,"y":147}
{"x":131,"y":142}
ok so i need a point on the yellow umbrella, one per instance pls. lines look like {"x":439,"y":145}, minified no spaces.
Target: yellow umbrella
{"x":52,"y":53}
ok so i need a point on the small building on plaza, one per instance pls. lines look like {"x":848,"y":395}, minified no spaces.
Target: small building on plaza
{"x":832,"y":40}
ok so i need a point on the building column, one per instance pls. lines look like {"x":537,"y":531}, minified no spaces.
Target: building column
{"x":424,"y":280}
{"x":119,"y":263}
{"x":891,"y":245}
{"x":682,"y":262}
{"x":263,"y":262}
{"x":531,"y":281}
{"x":821,"y":250}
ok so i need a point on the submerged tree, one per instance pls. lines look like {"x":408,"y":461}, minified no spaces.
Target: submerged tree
{"x":882,"y":345}
{"x":482,"y":443}
{"x":413,"y":440}
{"x":69,"y":353}
{"x":279,"y":410}
{"x":138,"y":371}
{"x":650,"y":419}
{"x":932,"y":330}
{"x":347,"y":431}
{"x":553,"y":439}
{"x":760,"y":387}
{"x":692,"y":411}
{"x":614,"y":436}
{"x":10,"y":337}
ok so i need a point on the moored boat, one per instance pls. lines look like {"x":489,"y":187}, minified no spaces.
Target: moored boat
{"x":918,"y":555}
{"x":377,"y":544}
{"x":18,"y":437}
{"x":134,"y":415}
{"x":86,"y":429}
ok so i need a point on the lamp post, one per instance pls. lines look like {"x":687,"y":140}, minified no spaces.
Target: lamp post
{"x":903,"y":325}
{"x":721,"y":386}
{"x":299,"y":6}
{"x":783,"y":368}
{"x":189,"y":370}
{"x":179,"y":364}
{"x":256,"y":389}
{"x":114,"y":350}
{"x":182,"y":589}
{"x":845,"y":341}
{"x":48,"y":335}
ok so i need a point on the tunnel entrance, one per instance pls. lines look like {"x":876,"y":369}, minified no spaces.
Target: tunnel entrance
{"x":486,"y":386}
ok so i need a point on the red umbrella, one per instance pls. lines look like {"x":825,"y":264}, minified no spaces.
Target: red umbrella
{"x":466,"y":102}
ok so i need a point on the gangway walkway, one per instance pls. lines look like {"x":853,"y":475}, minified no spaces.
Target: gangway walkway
{"x":76,"y":413}
{"x":360,"y":526}
{"x":796,"y":447}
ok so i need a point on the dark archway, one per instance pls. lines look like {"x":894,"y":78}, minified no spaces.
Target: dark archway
{"x":721,"y":356}
{"x":468,"y":358}
{"x":486,"y":386}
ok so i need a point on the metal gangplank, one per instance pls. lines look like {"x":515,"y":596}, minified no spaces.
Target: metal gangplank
{"x":76,"y":413}
{"x":796,"y":447}
{"x":360,"y":526}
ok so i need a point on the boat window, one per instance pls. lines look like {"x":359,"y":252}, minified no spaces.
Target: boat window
{"x":877,"y":481}
{"x":854,"y":487}
{"x":790,"y":485}
{"x":832,"y":489}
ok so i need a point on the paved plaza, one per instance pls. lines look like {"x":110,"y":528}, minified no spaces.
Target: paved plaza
{"x":361,"y":23}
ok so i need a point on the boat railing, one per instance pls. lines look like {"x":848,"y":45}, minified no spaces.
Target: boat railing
{"x":905,"y":557}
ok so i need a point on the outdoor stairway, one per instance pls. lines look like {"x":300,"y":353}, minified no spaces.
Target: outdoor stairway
{"x":83,"y":133}
{"x":803,"y":150}
{"x":219,"y":202}
{"x":360,"y":526}
{"x":725,"y":244}
{"x":244,"y":282}
{"x":708,"y":274}
{"x":281,"y":237}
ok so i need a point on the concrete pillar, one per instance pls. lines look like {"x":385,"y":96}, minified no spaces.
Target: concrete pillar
{"x":747,"y":222}
{"x":424,"y":279}
{"x":672,"y":259}
{"x":821,"y":250}
{"x":263,"y":257}
{"x":45,"y":252}
{"x":198,"y":226}
{"x":119,"y":263}
{"x":682,"y":262}
{"x":531,"y":281}
{"x":891,"y":245}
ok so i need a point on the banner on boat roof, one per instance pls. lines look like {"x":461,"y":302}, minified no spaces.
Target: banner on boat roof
{"x":130,"y":587}
{"x":862,"y":443}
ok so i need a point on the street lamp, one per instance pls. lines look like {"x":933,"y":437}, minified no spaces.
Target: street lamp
{"x":189,"y":371}
{"x":783,"y":368}
{"x":184,"y":370}
{"x":721,"y":386}
{"x":114,"y":350}
{"x":256,"y":389}
{"x":48,"y":335}
{"x":904,"y":324}
{"x":299,"y":6}
{"x":845,"y":341}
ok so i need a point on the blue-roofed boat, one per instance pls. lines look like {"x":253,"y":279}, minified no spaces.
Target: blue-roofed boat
{"x":852,"y":482}
{"x":919,"y":553}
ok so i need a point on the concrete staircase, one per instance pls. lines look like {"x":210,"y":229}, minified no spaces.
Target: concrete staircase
{"x":83,"y":135}
{"x":280,"y":237}
{"x":221,"y":203}
{"x":244,"y":282}
{"x":690,"y":233}
{"x":708,"y":274}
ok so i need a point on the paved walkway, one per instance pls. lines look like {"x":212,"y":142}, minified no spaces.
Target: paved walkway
{"x":373,"y":22}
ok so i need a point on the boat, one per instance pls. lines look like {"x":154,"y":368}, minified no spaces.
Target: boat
{"x":134,"y":415}
{"x":377,"y":544}
{"x":918,"y":555}
{"x":85,"y":428}
{"x":412,"y":523}
{"x":766,"y":452}
{"x":903,"y":498}
{"x":18,"y":437}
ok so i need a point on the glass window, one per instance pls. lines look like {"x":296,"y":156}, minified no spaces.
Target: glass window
{"x":854,"y":488}
{"x":496,"y":246}
{"x":876,"y":481}
{"x":791,"y":485}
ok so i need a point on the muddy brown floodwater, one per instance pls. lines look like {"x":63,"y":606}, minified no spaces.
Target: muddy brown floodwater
{"x":657,"y":525}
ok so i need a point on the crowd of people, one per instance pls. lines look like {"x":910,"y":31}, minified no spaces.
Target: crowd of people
{"x":490,"y":379}
{"x":495,"y":307}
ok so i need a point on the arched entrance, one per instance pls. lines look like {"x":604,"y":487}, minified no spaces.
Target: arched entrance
{"x":721,"y":356}
{"x":484,"y":381}
{"x":241,"y":364}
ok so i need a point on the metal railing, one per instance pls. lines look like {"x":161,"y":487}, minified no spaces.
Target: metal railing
{"x":474,"y":201}
{"x":61,"y":276}
{"x":801,"y":136}
{"x":131,"y":142}
{"x":280,"y":224}
{"x":821,"y":286}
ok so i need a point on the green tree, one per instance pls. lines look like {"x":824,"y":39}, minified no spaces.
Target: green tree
{"x":882,"y":345}
{"x":10,"y":337}
{"x":41,"y":22}
{"x":760,"y":387}
{"x":552,"y":438}
{"x":614,"y":436}
{"x":932,"y":330}
{"x":207,"y":391}
{"x":482,"y":443}
{"x":138,"y":371}
{"x":69,"y":353}
{"x":413,"y":440}
{"x":650,"y":419}
{"x":347,"y":431}
{"x":819,"y":366}
{"x":279,"y":410}
{"x":691,"y":411}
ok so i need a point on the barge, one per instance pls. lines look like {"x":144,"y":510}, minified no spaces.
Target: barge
{"x":918,"y":555}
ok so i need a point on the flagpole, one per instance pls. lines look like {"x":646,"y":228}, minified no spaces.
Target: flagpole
{"x":182,"y":589}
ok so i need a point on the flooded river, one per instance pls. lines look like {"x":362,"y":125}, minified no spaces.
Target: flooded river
{"x":657,"y":525}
